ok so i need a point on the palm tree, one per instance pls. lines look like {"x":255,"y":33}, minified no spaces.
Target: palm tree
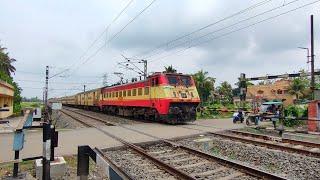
{"x":204,"y":84}
{"x":6,"y":62}
{"x":170,"y":69}
{"x":225,"y":91}
{"x":297,"y":87}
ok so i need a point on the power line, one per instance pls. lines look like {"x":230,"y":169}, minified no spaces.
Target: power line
{"x":51,"y":89}
{"x":99,"y":37}
{"x":124,"y":27}
{"x":226,"y":27}
{"x":26,"y":80}
{"x":209,"y":25}
{"x":239,"y":29}
{"x":106,"y":29}
{"x":115,"y":35}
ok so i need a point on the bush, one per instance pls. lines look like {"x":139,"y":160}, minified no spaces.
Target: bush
{"x":294,"y":111}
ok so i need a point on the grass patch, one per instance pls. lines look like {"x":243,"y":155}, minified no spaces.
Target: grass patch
{"x":31,"y":104}
{"x":7,"y":169}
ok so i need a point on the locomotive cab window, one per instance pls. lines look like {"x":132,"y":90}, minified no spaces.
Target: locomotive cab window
{"x":154,"y":81}
{"x":186,"y":80}
{"x":173,"y":80}
{"x":140,"y":92}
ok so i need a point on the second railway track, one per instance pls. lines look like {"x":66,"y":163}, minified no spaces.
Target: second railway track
{"x":168,"y":160}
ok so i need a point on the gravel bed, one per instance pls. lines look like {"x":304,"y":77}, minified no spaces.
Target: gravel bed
{"x":166,"y":153}
{"x":289,"y":165}
{"x":111,"y":118}
{"x":137,"y":166}
{"x":65,"y":122}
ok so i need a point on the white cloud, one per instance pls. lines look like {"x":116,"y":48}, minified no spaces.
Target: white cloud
{"x":39,"y":33}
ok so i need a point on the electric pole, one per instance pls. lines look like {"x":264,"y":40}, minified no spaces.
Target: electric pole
{"x":312,"y":85}
{"x":105,"y":79}
{"x":145,"y":69}
{"x":84,"y":88}
{"x":46,"y":95}
{"x":46,"y":134}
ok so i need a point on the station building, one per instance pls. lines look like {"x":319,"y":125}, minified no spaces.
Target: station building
{"x":6,"y":99}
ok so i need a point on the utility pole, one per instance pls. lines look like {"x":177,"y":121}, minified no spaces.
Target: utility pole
{"x":46,"y":134}
{"x":312,"y":85}
{"x":84,"y":88}
{"x":46,"y":95}
{"x":105,"y":79}
{"x":145,"y":69}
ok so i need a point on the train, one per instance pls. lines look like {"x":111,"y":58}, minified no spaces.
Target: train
{"x":165,"y":97}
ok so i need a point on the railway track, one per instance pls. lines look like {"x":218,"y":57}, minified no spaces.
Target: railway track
{"x":169,"y":160}
{"x":300,"y":147}
{"x":272,"y":142}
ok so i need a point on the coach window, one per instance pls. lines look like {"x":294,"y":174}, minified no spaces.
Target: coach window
{"x":117,"y":93}
{"x":113,"y":94}
{"x":140,"y":92}
{"x":134,"y":92}
{"x":129,"y":92}
{"x":124,"y":93}
{"x":120,"y":93}
{"x":146,"y":91}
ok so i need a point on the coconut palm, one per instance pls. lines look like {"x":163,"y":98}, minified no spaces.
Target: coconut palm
{"x":297,"y":87}
{"x":6,"y":62}
{"x":204,"y":83}
{"x":170,"y":69}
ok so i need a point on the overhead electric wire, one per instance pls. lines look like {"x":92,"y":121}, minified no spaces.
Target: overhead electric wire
{"x":106,"y":29}
{"x":124,"y":27}
{"x":226,"y":27}
{"x":239,"y":29}
{"x":209,"y":25}
{"x":26,"y":80}
{"x":116,"y":34}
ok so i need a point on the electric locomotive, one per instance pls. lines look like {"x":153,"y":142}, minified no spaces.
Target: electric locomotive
{"x":165,"y":97}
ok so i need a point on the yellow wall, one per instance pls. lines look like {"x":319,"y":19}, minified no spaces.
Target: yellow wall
{"x":6,"y":98}
{"x":277,"y":90}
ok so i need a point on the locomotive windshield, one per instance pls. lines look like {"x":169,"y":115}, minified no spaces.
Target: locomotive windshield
{"x":175,"y":80}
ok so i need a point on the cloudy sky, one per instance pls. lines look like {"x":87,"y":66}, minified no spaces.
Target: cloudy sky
{"x":239,"y":39}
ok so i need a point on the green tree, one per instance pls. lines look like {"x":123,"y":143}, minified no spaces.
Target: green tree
{"x":204,"y":84}
{"x":6,"y":68}
{"x":6,"y":62}
{"x":225,"y":92}
{"x":169,"y":69}
{"x":17,"y":91}
{"x":298,"y":87}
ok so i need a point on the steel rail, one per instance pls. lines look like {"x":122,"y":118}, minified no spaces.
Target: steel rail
{"x":268,"y":144}
{"x":241,"y":167}
{"x":77,"y":119}
{"x":113,"y":165}
{"x":283,"y":140}
{"x":108,"y":123}
{"x":304,"y":143}
{"x":232,"y":164}
{"x":162,"y":165}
